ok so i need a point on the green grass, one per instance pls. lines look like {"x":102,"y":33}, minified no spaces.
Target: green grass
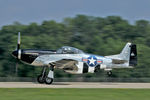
{"x":73,"y":94}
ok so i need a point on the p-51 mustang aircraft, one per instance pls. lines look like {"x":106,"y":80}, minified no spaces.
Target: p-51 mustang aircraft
{"x":82,"y":62}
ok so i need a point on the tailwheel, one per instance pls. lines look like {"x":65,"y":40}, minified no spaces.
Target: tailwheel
{"x":48,"y":80}
{"x":109,"y":73}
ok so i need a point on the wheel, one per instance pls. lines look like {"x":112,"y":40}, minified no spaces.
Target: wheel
{"x":109,"y":73}
{"x":48,"y":80}
{"x":40,"y":79}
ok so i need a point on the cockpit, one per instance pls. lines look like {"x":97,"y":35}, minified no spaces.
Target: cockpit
{"x":69,"y":50}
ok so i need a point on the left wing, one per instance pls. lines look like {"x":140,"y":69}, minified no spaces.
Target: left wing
{"x":67,"y":62}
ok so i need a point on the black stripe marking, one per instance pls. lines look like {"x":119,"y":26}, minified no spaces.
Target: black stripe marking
{"x":85,"y":68}
{"x":133,"y":56}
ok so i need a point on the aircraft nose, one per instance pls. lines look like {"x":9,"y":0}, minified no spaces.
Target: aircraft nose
{"x":15,"y":53}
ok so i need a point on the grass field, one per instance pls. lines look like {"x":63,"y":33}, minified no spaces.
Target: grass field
{"x":73,"y":94}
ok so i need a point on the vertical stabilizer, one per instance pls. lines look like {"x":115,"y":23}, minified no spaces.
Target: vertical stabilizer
{"x":125,"y":53}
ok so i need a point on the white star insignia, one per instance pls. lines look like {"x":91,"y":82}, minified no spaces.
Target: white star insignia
{"x":92,"y":61}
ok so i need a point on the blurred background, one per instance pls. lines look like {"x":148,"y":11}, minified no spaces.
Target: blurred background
{"x":100,"y":27}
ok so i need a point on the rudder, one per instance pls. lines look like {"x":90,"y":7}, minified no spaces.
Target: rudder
{"x":133,"y":55}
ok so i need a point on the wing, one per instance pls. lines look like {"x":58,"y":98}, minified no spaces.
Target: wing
{"x":71,"y":63}
{"x":66,"y":64}
{"x":62,"y":61}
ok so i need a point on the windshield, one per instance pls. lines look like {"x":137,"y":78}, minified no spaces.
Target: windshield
{"x":69,"y":50}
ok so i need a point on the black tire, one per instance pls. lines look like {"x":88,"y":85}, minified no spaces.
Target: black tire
{"x":109,"y":73}
{"x":48,"y":80}
{"x":40,"y":79}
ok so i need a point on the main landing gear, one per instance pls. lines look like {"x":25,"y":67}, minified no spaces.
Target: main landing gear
{"x":46,"y":78}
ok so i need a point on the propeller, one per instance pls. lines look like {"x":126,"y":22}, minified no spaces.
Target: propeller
{"x":17,"y":52}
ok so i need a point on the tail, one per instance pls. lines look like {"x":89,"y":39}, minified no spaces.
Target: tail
{"x":129,"y":53}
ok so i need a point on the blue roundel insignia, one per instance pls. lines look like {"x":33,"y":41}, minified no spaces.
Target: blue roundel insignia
{"x":92,"y":61}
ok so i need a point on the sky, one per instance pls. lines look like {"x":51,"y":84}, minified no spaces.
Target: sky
{"x":27,"y":11}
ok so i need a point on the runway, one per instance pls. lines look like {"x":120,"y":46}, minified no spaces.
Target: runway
{"x":74,"y":85}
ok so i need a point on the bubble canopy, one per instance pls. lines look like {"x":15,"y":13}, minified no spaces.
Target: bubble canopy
{"x":69,"y":50}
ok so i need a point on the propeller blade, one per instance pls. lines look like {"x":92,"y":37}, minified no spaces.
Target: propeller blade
{"x":17,"y":53}
{"x":19,"y":40}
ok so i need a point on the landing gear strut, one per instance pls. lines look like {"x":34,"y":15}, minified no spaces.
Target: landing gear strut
{"x":41,"y":77}
{"x":46,"y":78}
{"x":50,"y":77}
